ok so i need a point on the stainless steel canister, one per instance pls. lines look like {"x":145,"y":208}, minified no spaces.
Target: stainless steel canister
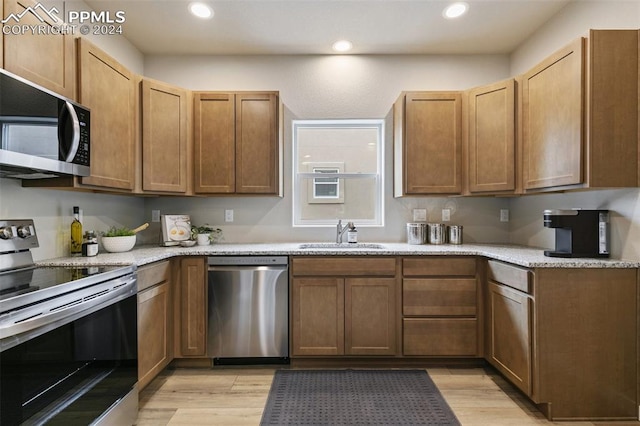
{"x":437,"y":233}
{"x":455,"y":234}
{"x":416,"y":233}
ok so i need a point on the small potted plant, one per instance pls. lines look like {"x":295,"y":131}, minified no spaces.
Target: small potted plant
{"x":205,"y":234}
{"x":118,"y":240}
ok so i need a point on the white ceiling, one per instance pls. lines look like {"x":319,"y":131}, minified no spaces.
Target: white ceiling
{"x":265,"y":27}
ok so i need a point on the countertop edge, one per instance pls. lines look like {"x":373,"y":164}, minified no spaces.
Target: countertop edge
{"x":529,"y":257}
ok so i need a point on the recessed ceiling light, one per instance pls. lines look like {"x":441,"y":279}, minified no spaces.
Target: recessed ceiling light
{"x":342,"y":46}
{"x":201,"y":10}
{"x":455,"y":10}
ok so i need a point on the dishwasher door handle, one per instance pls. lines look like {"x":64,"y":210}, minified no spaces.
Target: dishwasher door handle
{"x":248,"y":268}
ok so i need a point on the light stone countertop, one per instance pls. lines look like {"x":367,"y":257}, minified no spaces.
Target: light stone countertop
{"x":518,"y":255}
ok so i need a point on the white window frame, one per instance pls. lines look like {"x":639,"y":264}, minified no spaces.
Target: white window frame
{"x":298,"y":178}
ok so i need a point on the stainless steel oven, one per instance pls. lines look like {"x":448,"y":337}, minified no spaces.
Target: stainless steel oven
{"x":68,"y":339}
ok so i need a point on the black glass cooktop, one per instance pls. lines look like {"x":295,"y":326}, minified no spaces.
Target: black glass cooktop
{"x":16,"y":283}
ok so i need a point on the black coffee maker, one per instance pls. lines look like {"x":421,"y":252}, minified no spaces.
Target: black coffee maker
{"x":579,"y":233}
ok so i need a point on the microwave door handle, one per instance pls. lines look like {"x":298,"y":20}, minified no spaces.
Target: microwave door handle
{"x":69,"y":113}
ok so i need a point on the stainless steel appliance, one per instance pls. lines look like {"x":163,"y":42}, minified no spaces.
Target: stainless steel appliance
{"x":579,"y":233}
{"x":68,"y":338}
{"x":42,"y":134}
{"x":248,"y":309}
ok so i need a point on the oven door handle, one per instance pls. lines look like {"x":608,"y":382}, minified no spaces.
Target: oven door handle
{"x":33,"y":321}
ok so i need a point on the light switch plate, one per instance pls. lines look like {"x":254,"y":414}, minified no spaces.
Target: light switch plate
{"x":446,"y":215}
{"x":504,"y":215}
{"x":419,"y":215}
{"x":155,"y":215}
{"x":228,"y":215}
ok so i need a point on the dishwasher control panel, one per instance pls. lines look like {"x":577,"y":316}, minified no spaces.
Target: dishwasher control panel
{"x":247,"y":260}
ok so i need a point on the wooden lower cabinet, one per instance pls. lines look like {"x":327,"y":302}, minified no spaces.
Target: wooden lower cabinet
{"x":191,"y":308}
{"x":370,"y":316}
{"x":440,"y":307}
{"x":318,"y":316}
{"x":567,"y":337}
{"x":343,"y":315}
{"x":155,"y":321}
{"x":509,"y":321}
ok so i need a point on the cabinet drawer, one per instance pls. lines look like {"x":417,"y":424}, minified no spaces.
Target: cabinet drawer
{"x":440,"y":336}
{"x":436,"y":265}
{"x":155,"y":273}
{"x":439,"y":296}
{"x":344,"y":266}
{"x":512,"y":276}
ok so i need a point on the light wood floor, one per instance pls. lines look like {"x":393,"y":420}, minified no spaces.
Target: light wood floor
{"x":236,"y":396}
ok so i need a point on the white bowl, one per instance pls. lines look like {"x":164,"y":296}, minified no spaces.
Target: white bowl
{"x":118,"y":244}
{"x":188,"y":243}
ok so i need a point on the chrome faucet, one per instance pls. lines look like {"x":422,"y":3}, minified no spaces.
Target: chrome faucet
{"x":340,"y":230}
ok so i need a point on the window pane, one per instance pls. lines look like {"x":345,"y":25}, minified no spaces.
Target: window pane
{"x":353,"y":149}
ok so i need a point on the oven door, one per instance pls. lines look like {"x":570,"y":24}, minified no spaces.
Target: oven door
{"x":75,"y":372}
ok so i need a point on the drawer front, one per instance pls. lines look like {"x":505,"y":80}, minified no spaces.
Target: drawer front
{"x":440,"y":337}
{"x":512,"y":276}
{"x":439,"y":297}
{"x":155,"y":273}
{"x":344,"y":266}
{"x":437,"y":265}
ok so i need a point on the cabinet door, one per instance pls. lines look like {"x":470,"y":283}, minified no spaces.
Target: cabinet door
{"x":318,"y":316}
{"x":510,"y":334}
{"x":109,"y":90}
{"x":552,"y":120}
{"x":164,"y":137}
{"x":492,"y":137}
{"x":47,"y":60}
{"x":193,"y":311}
{"x":370,"y":316}
{"x":432,"y":143}
{"x":214,"y":143}
{"x":257,"y":147}
{"x":154,"y":332}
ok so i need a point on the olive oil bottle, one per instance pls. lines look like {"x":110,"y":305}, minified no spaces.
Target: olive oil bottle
{"x":76,"y":233}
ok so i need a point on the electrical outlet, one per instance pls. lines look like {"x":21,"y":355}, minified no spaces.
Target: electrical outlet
{"x":504,"y":215}
{"x":155,"y":215}
{"x":446,"y":215}
{"x":228,"y":215}
{"x":419,"y":215}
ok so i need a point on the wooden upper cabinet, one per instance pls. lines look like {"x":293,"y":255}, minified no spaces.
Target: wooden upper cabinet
{"x":552,"y":111}
{"x":491,"y":142}
{"x":47,"y":60}
{"x":109,"y":90}
{"x":164,"y":137}
{"x":257,"y":167}
{"x":2,"y":37}
{"x":214,"y":143}
{"x":236,"y":148}
{"x":428,"y":143}
{"x":580,"y":114}
{"x":612,"y":109}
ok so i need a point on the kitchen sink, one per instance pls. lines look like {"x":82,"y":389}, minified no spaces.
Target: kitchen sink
{"x":341,"y":246}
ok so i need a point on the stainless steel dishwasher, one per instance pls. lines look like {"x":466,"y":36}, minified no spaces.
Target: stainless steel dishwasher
{"x":248,"y":309}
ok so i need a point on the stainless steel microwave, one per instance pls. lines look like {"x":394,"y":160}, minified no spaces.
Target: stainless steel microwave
{"x":42,"y":134}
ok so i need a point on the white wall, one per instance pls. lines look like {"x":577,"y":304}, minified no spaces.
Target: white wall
{"x":331,"y":87}
{"x":526,"y":226}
